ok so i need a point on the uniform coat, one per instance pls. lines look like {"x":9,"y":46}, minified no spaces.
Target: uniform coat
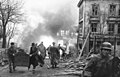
{"x":33,"y":53}
{"x":42,"y":50}
{"x":11,"y":52}
{"x":54,"y":55}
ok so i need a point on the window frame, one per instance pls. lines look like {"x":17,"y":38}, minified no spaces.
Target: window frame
{"x":119,"y":10}
{"x":95,"y":9}
{"x":112,"y":9}
{"x":111,"y":27}
{"x":118,"y":28}
{"x":94,"y":27}
{"x":118,"y":42}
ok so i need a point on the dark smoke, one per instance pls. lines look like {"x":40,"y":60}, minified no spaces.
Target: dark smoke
{"x":54,"y":22}
{"x":33,"y":36}
{"x":63,"y":19}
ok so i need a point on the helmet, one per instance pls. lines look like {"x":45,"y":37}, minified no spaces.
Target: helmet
{"x":106,"y":45}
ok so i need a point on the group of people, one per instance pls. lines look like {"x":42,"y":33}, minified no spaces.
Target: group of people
{"x":103,"y":64}
{"x":37,"y":55}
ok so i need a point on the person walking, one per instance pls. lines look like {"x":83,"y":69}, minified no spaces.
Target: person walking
{"x":48,"y":51}
{"x":33,"y":60}
{"x":42,"y":50}
{"x":54,"y":55}
{"x":11,"y":53}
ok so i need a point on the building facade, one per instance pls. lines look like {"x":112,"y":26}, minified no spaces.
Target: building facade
{"x":100,"y":17}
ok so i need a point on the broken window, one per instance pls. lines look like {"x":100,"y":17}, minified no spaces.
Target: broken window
{"x":118,"y":43}
{"x":95,"y":9}
{"x":119,"y":28}
{"x":119,"y":11}
{"x":94,"y":27}
{"x":112,"y":10}
{"x":111,"y":28}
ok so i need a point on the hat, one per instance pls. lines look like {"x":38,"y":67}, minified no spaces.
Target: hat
{"x":106,"y":45}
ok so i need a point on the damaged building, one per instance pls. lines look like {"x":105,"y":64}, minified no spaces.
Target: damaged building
{"x":100,"y":18}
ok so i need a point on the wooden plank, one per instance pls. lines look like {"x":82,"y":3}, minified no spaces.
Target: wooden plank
{"x":69,"y":73}
{"x":81,"y":51}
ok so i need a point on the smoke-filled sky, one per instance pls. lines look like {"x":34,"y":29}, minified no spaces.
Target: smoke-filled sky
{"x":44,"y":18}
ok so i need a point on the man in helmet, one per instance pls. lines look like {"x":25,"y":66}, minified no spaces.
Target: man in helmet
{"x":100,"y":65}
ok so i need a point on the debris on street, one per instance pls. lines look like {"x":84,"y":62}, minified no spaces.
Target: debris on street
{"x":71,"y":68}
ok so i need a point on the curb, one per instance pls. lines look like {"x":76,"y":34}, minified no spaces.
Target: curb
{"x":4,"y":67}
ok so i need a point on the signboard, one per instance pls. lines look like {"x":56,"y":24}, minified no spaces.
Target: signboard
{"x":21,"y":59}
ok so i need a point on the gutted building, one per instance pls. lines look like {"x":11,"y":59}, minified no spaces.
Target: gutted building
{"x":102,"y":19}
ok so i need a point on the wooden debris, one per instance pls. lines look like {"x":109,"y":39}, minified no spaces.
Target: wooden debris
{"x":72,"y":68}
{"x":68,"y":72}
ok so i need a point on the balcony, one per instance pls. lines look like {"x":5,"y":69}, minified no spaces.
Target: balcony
{"x":94,"y":18}
{"x":113,"y":18}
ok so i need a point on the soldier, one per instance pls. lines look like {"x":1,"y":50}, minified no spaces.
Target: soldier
{"x":54,"y":55}
{"x":33,"y":53}
{"x":59,"y":48}
{"x":48,"y":49}
{"x":11,"y":52}
{"x":42,"y":54}
{"x":42,"y":50}
{"x":100,"y":65}
{"x":64,"y":52}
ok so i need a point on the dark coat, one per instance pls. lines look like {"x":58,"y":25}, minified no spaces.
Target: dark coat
{"x":104,"y":67}
{"x":54,"y":54}
{"x":10,"y":52}
{"x":100,"y":67}
{"x":33,"y":52}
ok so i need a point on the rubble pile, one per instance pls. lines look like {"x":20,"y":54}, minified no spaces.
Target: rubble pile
{"x":72,"y":68}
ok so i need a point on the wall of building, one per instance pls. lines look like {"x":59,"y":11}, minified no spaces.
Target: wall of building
{"x":103,"y":15}
{"x":103,"y":12}
{"x":81,"y":13}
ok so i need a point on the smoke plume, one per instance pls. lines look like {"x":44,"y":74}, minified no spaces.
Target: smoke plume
{"x":62,"y":19}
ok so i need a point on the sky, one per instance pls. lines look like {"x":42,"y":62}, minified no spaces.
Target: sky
{"x":44,"y":18}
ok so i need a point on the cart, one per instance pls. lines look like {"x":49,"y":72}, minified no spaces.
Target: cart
{"x":21,"y":59}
